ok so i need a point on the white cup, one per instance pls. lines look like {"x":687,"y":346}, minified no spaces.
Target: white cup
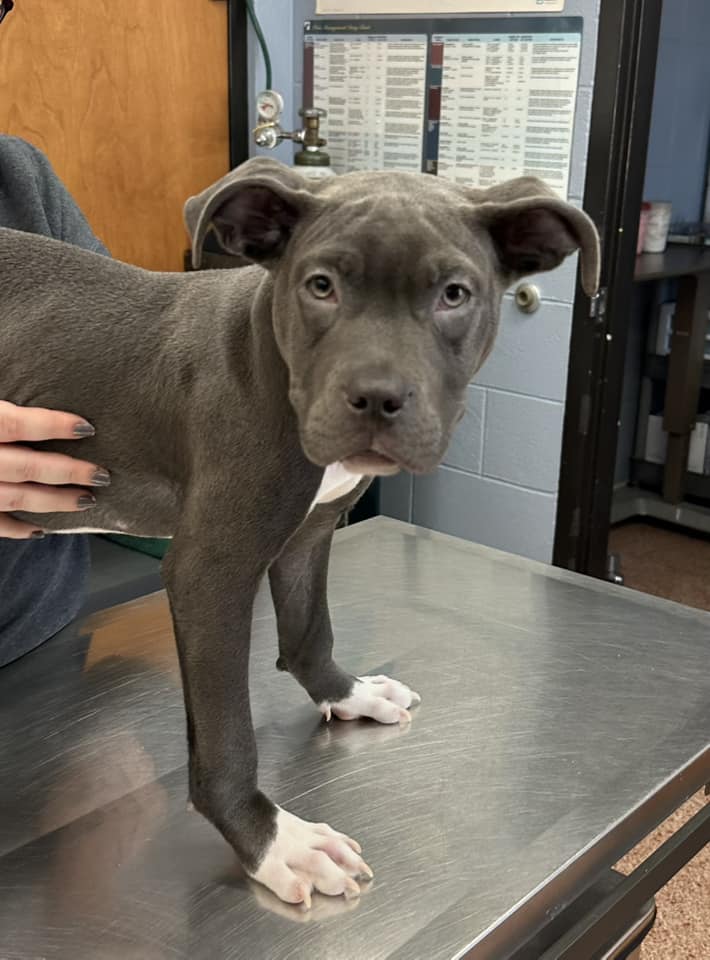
{"x":657,"y":226}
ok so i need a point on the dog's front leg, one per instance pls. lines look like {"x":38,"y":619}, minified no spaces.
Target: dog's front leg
{"x":211,"y":585}
{"x":299,"y":587}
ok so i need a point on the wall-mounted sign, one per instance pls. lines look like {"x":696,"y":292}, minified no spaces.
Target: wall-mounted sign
{"x":438,"y":7}
{"x":373,"y":87}
{"x":478,"y":101}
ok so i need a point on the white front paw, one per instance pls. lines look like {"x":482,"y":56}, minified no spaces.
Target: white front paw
{"x":305,"y":856}
{"x":378,"y":698}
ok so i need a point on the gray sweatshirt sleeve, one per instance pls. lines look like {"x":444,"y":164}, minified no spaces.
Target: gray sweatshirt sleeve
{"x":42,"y":582}
{"x":33,"y":198}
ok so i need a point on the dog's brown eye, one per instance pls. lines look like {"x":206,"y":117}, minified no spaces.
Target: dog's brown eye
{"x":454,"y":296}
{"x":321,"y":287}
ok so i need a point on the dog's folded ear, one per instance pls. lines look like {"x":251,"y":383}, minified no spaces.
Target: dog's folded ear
{"x":253,"y":210}
{"x":534,"y":230}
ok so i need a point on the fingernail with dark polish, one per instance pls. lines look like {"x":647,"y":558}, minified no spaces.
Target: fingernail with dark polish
{"x":84,"y":430}
{"x":85,"y":501}
{"x":101,"y":478}
{"x":37,"y":534}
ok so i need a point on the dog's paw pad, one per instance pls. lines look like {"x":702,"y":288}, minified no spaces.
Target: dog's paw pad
{"x":304,"y":857}
{"x":378,"y":698}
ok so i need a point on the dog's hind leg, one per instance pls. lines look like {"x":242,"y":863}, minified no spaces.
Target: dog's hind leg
{"x":299,"y":582}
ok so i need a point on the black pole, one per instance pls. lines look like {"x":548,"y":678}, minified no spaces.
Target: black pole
{"x":238,"y":80}
{"x":621,"y":119}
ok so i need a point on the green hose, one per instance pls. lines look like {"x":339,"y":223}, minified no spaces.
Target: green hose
{"x":262,"y":42}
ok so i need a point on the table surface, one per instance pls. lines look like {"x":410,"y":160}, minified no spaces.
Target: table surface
{"x":562,"y":719}
{"x":678,"y":260}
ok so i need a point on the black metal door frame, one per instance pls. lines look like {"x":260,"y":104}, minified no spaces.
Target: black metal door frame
{"x":616,"y":163}
{"x":238,"y":81}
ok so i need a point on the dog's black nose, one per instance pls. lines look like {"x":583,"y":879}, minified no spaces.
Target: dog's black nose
{"x":377,"y":398}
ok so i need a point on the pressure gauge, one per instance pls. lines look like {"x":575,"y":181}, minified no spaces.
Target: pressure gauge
{"x":269,"y":106}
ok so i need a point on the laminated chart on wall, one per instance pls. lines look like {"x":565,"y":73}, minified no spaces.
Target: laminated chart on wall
{"x":476,"y":100}
{"x":372,"y":82}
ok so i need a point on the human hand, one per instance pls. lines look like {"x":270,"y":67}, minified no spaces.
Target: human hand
{"x":37,"y":481}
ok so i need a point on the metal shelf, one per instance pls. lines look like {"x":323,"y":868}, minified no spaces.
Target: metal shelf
{"x":631,"y":502}
{"x":656,"y":368}
{"x":650,"y":475}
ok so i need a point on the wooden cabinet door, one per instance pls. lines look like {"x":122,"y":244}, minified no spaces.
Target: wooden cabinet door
{"x":129,"y":102}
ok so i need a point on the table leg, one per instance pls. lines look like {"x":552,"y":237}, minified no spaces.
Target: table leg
{"x":685,"y":370}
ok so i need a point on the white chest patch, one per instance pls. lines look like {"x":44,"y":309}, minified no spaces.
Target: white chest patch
{"x":336,"y":483}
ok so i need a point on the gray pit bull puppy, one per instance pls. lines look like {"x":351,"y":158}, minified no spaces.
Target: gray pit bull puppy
{"x":240,"y":412}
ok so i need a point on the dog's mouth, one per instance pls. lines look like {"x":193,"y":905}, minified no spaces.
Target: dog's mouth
{"x":371,"y":463}
{"x":373,"y":452}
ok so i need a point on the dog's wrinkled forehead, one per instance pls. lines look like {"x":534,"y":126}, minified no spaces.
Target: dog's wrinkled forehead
{"x":388,"y":221}
{"x":390,"y":204}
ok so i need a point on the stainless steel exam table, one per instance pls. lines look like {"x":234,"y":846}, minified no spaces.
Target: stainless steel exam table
{"x":562,"y":719}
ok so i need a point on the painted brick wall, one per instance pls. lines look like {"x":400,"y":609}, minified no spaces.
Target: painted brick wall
{"x":499,"y":482}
